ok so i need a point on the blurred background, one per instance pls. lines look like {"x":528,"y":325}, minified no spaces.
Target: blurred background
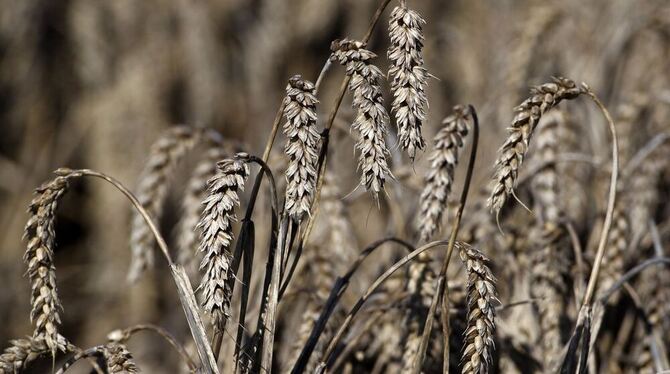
{"x":92,"y":83}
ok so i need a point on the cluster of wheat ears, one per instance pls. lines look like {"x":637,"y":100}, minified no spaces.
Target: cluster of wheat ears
{"x":565,"y":307}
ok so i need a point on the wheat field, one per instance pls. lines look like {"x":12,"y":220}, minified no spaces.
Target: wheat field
{"x":335,"y":186}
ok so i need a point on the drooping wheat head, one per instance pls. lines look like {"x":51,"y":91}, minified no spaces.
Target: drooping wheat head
{"x":216,"y":238}
{"x":513,"y":151}
{"x":39,"y":256}
{"x":166,"y":153}
{"x":482,"y":300}
{"x":371,"y":117}
{"x":409,"y":77}
{"x":301,"y":146}
{"x":119,"y":359}
{"x":22,"y":352}
{"x":116,"y":357}
{"x":440,"y":176}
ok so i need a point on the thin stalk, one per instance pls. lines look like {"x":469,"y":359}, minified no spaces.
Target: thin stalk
{"x":441,"y":280}
{"x":583,"y":326}
{"x":632,"y":273}
{"x":154,"y":230}
{"x":322,"y":75}
{"x":602,"y":245}
{"x":273,"y":133}
{"x":273,"y":187}
{"x":273,"y":298}
{"x":186,"y":297}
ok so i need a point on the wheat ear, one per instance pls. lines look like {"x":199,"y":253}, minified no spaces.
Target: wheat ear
{"x":117,"y":358}
{"x":196,"y":191}
{"x":23,"y":352}
{"x":409,"y":77}
{"x":154,"y":182}
{"x":301,"y":146}
{"x":513,"y":151}
{"x":440,"y":177}
{"x":371,"y":117}
{"x":482,"y":300}
{"x":217,"y":236}
{"x":39,"y":256}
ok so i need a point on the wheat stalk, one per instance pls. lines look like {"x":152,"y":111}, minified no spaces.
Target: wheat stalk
{"x":166,"y":153}
{"x":216,"y":238}
{"x":371,"y":117}
{"x":482,"y":300}
{"x":39,"y":256}
{"x":409,"y":77}
{"x":301,"y":146}
{"x":513,"y":151}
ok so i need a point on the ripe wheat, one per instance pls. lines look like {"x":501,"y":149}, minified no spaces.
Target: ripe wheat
{"x":371,"y":117}
{"x":408,"y":77}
